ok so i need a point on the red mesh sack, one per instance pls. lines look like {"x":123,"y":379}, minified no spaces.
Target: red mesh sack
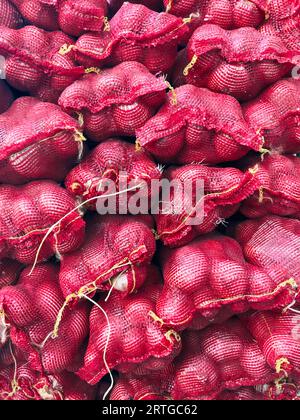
{"x":241,"y":62}
{"x":279,"y":192}
{"x":77,"y":17}
{"x":9,"y":15}
{"x":38,"y":141}
{"x":28,"y":214}
{"x":157,"y":5}
{"x":9,"y":272}
{"x":33,"y":63}
{"x":115,"y":102}
{"x":284,"y":21}
{"x":6,"y":97}
{"x":275,"y":114}
{"x":117,"y":251}
{"x":41,"y":13}
{"x":203,"y":127}
{"x":211,"y":273}
{"x":107,"y":162}
{"x":30,"y":309}
{"x":128,"y":335}
{"x":224,"y":190}
{"x":23,"y":384}
{"x":136,"y":34}
{"x":278,"y":336}
{"x":218,"y":358}
{"x":72,"y":16}
{"x":273,"y":244}
{"x":228,"y":14}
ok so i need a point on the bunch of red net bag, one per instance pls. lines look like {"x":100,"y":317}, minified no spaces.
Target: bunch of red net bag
{"x":137,"y":340}
{"x":110,"y":168}
{"x":115,"y":102}
{"x":22,"y":383}
{"x":135,"y":33}
{"x":38,"y":141}
{"x":28,"y":313}
{"x":71,"y":16}
{"x":203,"y":127}
{"x":228,"y":14}
{"x":211,"y":275}
{"x":220,"y":358}
{"x":34,"y":63}
{"x":38,"y":220}
{"x":241,"y":62}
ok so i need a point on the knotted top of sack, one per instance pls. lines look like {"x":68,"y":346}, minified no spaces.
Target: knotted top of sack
{"x":122,"y":84}
{"x":40,"y":49}
{"x":213,"y":111}
{"x":134,"y":24}
{"x":29,"y":121}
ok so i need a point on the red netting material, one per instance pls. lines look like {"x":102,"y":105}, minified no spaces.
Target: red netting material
{"x":284,"y":21}
{"x":9,"y":272}
{"x":218,"y":358}
{"x":31,"y":308}
{"x":115,"y":245}
{"x":112,"y":161}
{"x":115,"y":102}
{"x":72,"y":16}
{"x":276,"y":115}
{"x":39,"y":13}
{"x":203,"y":127}
{"x":26,"y":384}
{"x":224,"y":189}
{"x":131,"y":387}
{"x":6,"y":97}
{"x":241,"y":62}
{"x":278,"y":336}
{"x":135,"y":336}
{"x":27,"y":212}
{"x":157,"y":5}
{"x":228,"y":14}
{"x":211,"y":273}
{"x":273,"y":244}
{"x":136,"y":34}
{"x":9,"y":15}
{"x":33,"y":62}
{"x":279,"y":192}
{"x":38,"y":141}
